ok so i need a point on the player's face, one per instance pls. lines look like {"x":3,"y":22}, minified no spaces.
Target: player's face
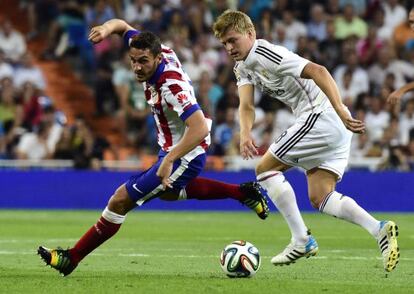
{"x":238,"y":45}
{"x":411,"y":19}
{"x":143,"y":63}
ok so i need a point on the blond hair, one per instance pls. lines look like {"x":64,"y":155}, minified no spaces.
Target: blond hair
{"x":235,"y":20}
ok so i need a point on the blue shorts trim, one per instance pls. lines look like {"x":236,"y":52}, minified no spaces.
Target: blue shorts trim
{"x":146,"y":185}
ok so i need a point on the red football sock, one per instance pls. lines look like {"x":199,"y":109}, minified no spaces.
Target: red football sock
{"x":93,"y":238}
{"x":207,"y":189}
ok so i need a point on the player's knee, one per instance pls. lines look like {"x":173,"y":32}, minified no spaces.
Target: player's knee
{"x":261,"y":168}
{"x":316,"y":199}
{"x":120,"y":202}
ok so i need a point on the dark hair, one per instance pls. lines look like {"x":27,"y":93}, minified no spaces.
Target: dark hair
{"x":147,"y":40}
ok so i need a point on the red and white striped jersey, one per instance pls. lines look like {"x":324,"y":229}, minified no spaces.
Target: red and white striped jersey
{"x":172,"y":100}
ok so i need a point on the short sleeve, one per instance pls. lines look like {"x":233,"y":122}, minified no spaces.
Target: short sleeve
{"x":287,"y":62}
{"x":241,"y":76}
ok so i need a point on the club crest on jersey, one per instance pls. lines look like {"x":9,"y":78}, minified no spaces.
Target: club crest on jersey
{"x":265,"y":74}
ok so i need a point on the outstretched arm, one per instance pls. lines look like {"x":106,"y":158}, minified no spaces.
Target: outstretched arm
{"x":113,"y":26}
{"x":248,"y":148}
{"x":321,"y":76}
{"x":395,"y":96}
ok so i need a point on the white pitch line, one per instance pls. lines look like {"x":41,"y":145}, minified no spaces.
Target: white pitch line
{"x":5,"y":252}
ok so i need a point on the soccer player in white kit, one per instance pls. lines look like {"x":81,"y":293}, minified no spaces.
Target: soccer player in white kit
{"x":318,"y":142}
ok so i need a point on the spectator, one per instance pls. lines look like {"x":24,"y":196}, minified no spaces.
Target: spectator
{"x":178,"y":26}
{"x":28,"y":72}
{"x":34,"y":145}
{"x":154,"y":24}
{"x":279,"y":37}
{"x":385,"y":65}
{"x":359,"y":78}
{"x":348,"y":91}
{"x":99,"y":13}
{"x":384,"y":32}
{"x":330,"y":48}
{"x":137,"y":11}
{"x":367,"y":48}
{"x":193,"y":66}
{"x":6,"y":70}
{"x":348,"y":24}
{"x":11,"y":116}
{"x":403,"y":36}
{"x":376,"y":119}
{"x":133,"y":112}
{"x":64,"y":146}
{"x":224,"y":132}
{"x":407,"y":122}
{"x":316,"y":27}
{"x":293,"y":27}
{"x":360,"y":146}
{"x":105,"y":98}
{"x":394,"y":13}
{"x":12,"y":42}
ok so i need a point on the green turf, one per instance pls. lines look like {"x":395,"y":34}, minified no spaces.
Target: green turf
{"x":178,"y":252}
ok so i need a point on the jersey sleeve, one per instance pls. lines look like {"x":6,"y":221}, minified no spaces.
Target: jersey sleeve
{"x":241,"y":76}
{"x":180,"y":98}
{"x":285,"y":62}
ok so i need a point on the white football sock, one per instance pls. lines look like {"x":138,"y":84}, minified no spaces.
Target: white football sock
{"x":346,"y":208}
{"x":113,"y":217}
{"x":283,"y":197}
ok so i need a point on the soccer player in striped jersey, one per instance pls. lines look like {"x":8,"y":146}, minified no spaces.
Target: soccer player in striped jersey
{"x":183,"y":135}
{"x":318,"y":142}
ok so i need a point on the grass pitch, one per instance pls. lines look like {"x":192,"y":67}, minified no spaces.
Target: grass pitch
{"x":178,"y":252}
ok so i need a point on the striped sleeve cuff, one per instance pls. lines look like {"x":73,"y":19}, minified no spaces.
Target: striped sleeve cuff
{"x":186,"y":114}
{"x":128,"y":35}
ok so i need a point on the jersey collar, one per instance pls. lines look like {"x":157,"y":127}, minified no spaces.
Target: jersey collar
{"x":250,"y":59}
{"x":157,"y":73}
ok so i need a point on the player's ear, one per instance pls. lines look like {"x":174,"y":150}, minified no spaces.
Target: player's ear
{"x":252,"y":34}
{"x":159,"y":57}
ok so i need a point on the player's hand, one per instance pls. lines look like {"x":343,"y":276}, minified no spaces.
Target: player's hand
{"x":164,"y":172}
{"x":352,"y":124}
{"x":394,"y":97}
{"x":248,"y":148}
{"x":99,"y":33}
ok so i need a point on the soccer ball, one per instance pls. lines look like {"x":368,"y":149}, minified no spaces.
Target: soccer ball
{"x":240,"y":259}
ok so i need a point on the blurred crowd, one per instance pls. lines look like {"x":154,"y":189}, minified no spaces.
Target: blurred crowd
{"x":368,"y":47}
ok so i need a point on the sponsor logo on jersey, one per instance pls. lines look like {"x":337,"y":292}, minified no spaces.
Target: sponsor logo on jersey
{"x":182,"y":98}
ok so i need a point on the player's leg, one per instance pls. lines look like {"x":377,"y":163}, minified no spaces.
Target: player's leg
{"x":322,"y":194}
{"x":248,"y":193}
{"x":65,"y":261}
{"x":137,"y":190}
{"x":270,"y":177}
{"x":188,"y":185}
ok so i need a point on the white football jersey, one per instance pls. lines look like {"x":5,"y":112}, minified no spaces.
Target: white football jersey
{"x":276,"y":72}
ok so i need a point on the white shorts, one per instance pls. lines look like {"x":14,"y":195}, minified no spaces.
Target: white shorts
{"x":315,"y":140}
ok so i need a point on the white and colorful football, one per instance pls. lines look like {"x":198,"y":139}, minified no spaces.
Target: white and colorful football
{"x":240,"y":259}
